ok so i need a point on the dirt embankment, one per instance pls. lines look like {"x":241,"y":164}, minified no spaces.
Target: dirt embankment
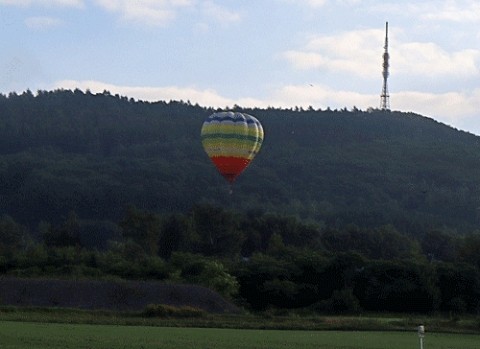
{"x":111,"y":295}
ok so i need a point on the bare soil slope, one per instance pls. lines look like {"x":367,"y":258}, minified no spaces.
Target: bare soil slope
{"x":111,"y":295}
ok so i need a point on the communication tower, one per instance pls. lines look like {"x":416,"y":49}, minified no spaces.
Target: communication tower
{"x":385,"y":97}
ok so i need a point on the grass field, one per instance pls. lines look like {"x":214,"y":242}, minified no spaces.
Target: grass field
{"x":364,"y":322}
{"x":28,"y":335}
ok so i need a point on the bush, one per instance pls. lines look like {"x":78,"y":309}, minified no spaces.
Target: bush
{"x":203,"y":271}
{"x":163,"y":310}
{"x":457,"y":306}
{"x":341,"y":302}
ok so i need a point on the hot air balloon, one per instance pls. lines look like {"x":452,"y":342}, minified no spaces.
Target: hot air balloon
{"x":231,"y":140}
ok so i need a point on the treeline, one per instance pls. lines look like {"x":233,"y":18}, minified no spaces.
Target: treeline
{"x":95,"y":154}
{"x":342,"y":210}
{"x":260,"y":260}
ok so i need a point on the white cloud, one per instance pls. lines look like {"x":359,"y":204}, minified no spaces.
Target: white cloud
{"x":206,"y":97}
{"x":42,"y":22}
{"x":150,"y":12}
{"x":452,"y":108}
{"x":357,"y":52}
{"x":308,"y":3}
{"x":458,"y":109}
{"x":316,"y":3}
{"x":320,"y":96}
{"x":454,"y":11}
{"x":220,"y":13}
{"x":428,"y":59}
{"x":47,"y":3}
{"x":321,"y":3}
{"x":445,"y":10}
{"x":286,"y":96}
{"x":306,"y":60}
{"x":162,"y":12}
{"x":360,"y":53}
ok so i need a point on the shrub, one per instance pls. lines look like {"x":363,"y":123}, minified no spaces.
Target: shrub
{"x":341,"y":302}
{"x":163,"y":310}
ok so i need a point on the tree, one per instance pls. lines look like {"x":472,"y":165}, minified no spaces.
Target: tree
{"x":469,"y":248}
{"x":172,"y":235}
{"x":459,"y":286}
{"x":67,"y":234}
{"x":216,"y":231}
{"x":341,"y":302}
{"x":13,"y":236}
{"x":143,"y":228}
{"x":380,"y":243}
{"x":204,"y":271}
{"x":399,"y":286}
{"x":257,"y":271}
{"x":439,"y":246}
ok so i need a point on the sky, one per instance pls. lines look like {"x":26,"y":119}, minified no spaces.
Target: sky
{"x":252,"y":53}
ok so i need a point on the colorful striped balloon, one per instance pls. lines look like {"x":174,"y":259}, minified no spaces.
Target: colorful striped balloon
{"x":231,"y":140}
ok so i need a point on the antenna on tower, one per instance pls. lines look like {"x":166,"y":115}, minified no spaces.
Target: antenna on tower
{"x":385,"y":97}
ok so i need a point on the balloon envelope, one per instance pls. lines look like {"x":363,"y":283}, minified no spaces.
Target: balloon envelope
{"x":231,"y":140}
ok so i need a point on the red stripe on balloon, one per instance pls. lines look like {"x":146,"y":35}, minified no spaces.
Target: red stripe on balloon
{"x":230,"y":167}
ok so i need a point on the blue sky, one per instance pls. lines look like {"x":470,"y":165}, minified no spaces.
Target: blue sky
{"x":281,"y":53}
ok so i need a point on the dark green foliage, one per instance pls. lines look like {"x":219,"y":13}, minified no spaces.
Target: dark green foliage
{"x":341,"y":211}
{"x":469,"y":249}
{"x":459,"y":286}
{"x":379,"y":243}
{"x":206,"y":272}
{"x":68,"y":234}
{"x":216,"y":231}
{"x":143,"y":228}
{"x":13,"y":236}
{"x":341,"y":302}
{"x":163,"y":310}
{"x":65,"y":151}
{"x":334,"y":278}
{"x":439,"y":245}
{"x":398,"y":286}
{"x":172,"y":236}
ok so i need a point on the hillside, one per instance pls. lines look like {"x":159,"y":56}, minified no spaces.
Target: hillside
{"x":65,"y":151}
{"x":111,"y":295}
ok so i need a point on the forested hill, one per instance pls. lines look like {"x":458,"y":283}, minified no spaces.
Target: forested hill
{"x":96,"y":154}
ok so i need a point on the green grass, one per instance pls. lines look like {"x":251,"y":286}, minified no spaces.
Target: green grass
{"x":28,"y":335}
{"x":367,"y":322}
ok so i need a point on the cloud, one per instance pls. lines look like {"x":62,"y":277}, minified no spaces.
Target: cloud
{"x":150,"y":12}
{"x":452,"y":108}
{"x":42,"y":22}
{"x":446,"y":10}
{"x":46,"y":3}
{"x":357,"y":52}
{"x":457,"y":109}
{"x":316,"y":3}
{"x":454,"y":11}
{"x":219,"y":13}
{"x":428,"y":59}
{"x":360,"y":53}
{"x":320,"y":96}
{"x":206,"y":97}
{"x":287,"y":96}
{"x":163,"y":12}
{"x":309,"y":3}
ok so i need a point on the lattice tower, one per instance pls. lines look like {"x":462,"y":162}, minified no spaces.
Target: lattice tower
{"x":385,"y":97}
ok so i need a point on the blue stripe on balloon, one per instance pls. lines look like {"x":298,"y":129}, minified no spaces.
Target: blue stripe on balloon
{"x":216,"y":118}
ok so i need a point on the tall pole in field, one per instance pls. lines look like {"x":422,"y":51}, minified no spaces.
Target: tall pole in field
{"x":421,"y":334}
